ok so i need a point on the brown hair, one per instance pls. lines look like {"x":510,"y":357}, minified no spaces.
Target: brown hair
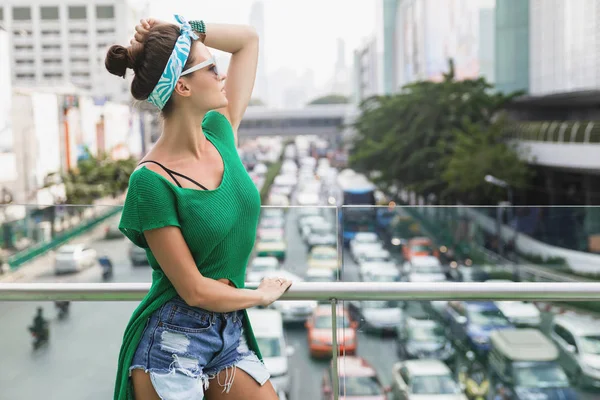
{"x":148,"y":61}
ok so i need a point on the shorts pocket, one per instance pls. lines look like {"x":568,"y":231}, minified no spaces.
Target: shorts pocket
{"x":183,"y":318}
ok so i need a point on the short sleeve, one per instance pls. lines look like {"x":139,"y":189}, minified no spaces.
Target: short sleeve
{"x":218,"y":124}
{"x":150,"y":204}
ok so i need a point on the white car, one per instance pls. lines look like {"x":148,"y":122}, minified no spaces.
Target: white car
{"x":424,"y":269}
{"x":374,"y":254}
{"x":292,"y":310}
{"x":320,"y":275}
{"x":362,"y":239}
{"x":268,"y":330}
{"x":306,"y":222}
{"x":278,"y":199}
{"x":372,"y":267}
{"x":73,"y":258}
{"x":384,"y":274}
{"x":519,"y":313}
{"x":308,"y":199}
{"x":425,"y":379}
{"x":259,"y":266}
{"x":318,"y":228}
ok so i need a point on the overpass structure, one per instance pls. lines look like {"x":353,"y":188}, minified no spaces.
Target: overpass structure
{"x":320,"y":120}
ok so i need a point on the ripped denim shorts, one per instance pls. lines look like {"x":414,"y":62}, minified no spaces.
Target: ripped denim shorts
{"x":184,"y":348}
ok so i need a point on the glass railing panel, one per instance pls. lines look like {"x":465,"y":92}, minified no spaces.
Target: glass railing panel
{"x":452,"y":244}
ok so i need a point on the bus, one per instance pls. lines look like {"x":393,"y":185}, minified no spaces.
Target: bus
{"x":356,"y":190}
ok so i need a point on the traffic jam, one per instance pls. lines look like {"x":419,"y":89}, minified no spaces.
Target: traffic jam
{"x":443,"y":350}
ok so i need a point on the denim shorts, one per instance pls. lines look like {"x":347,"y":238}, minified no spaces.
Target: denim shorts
{"x":184,"y":348}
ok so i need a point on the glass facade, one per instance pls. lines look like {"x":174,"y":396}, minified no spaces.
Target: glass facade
{"x":512,"y":45}
{"x":565,"y":46}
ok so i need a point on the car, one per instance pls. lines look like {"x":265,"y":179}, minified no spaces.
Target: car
{"x":358,"y":380}
{"x":419,"y":246}
{"x":271,"y":226}
{"x":323,"y":257}
{"x":278,"y":200}
{"x":424,"y":379}
{"x":320,"y":275}
{"x":112,"y":230}
{"x":578,"y":340}
{"x":307,"y":199}
{"x":519,"y":313}
{"x":374,"y":255}
{"x":260,"y":169}
{"x":382,"y":275}
{"x":137,"y":255}
{"x":292,"y":311}
{"x":472,"y":322}
{"x":376,"y":316}
{"x":361,"y":239}
{"x":271,"y":245}
{"x":316,"y":226}
{"x":424,"y":269}
{"x":367,"y":268}
{"x":74,"y":258}
{"x":267,"y":326}
{"x":259,"y":266}
{"x":418,"y":338}
{"x":318,"y":239}
{"x":272,"y":212}
{"x":319,"y":331}
{"x":524,"y":363}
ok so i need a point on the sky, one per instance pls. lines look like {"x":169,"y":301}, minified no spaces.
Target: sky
{"x":299,"y":34}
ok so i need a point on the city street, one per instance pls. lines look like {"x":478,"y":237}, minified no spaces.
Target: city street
{"x":80,"y":361}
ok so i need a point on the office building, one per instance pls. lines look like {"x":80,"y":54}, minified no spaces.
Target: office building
{"x":257,"y":20}
{"x":366,"y":76}
{"x":55,"y":42}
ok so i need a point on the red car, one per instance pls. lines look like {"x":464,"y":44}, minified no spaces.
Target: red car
{"x":358,"y":381}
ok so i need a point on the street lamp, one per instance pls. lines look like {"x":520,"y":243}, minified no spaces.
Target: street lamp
{"x":503,"y":184}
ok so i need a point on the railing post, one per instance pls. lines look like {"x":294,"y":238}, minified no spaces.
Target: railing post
{"x":334,"y":352}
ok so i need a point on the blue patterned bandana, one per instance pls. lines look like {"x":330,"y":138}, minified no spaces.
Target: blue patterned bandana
{"x":164,"y":88}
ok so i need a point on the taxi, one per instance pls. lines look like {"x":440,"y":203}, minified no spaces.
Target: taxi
{"x":271,"y":245}
{"x":323,"y":257}
{"x":320,"y":333}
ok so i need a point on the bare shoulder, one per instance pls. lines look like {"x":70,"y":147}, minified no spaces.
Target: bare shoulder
{"x":154,"y":167}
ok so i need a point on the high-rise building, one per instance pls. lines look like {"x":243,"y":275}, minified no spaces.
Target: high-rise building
{"x":430,"y":32}
{"x":511,"y":58}
{"x":565,"y":46}
{"x":390,"y":45}
{"x":366,"y":77}
{"x":341,"y":75}
{"x":487,"y":30}
{"x":54,"y":42}
{"x":7,"y":150}
{"x":257,"y":20}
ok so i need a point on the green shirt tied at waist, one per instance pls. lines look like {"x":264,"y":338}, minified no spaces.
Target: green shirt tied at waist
{"x":219,"y":227}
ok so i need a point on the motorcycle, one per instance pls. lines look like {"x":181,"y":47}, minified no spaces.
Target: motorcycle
{"x":40,"y":336}
{"x":63,"y":308}
{"x":473,"y":380}
{"x":107,"y":267}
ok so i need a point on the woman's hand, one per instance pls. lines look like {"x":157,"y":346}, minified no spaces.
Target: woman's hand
{"x":142,"y":29}
{"x":272,"y":289}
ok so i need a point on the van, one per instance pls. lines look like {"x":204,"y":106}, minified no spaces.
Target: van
{"x":525,"y":363}
{"x":578,"y":340}
{"x":268,"y":329}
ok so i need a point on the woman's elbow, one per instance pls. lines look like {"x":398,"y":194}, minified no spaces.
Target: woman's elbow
{"x":195,"y":294}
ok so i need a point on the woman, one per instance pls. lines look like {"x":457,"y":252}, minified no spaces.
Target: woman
{"x":193,"y":207}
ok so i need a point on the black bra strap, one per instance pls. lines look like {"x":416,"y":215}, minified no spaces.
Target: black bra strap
{"x":173,"y":173}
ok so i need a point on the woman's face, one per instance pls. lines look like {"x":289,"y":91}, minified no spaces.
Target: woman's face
{"x":206,"y":85}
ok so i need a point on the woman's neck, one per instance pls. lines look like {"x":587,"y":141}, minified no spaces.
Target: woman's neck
{"x":183,"y":137}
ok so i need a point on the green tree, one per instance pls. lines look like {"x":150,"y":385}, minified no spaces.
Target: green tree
{"x":96,"y":177}
{"x":478,"y":152}
{"x":409,"y":136}
{"x":330,"y":99}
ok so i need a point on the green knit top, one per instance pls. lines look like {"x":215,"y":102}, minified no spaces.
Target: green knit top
{"x":218,"y":225}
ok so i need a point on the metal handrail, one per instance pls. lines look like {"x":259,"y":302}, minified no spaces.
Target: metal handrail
{"x":333,"y":292}
{"x":325,"y":291}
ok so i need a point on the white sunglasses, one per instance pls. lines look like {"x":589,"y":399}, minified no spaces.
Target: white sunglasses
{"x":203,"y":64}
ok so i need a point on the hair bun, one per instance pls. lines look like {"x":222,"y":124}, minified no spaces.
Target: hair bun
{"x":118,"y":59}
